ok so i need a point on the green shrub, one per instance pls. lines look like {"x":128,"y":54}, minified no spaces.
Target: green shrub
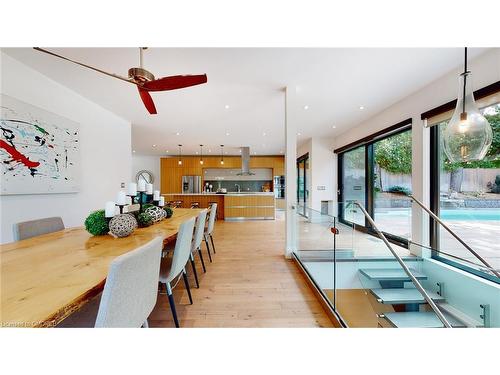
{"x":495,"y":187}
{"x":96,"y":223}
{"x":169,"y":211}
{"x":396,"y":189}
{"x":144,"y":219}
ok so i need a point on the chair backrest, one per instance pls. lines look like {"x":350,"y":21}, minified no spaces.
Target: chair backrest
{"x":33,"y":228}
{"x":131,"y":287}
{"x":211,"y":219}
{"x":200,"y":229}
{"x":182,"y":249}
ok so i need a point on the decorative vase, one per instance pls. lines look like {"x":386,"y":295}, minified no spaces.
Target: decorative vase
{"x":155,"y":213}
{"x":122,"y":225}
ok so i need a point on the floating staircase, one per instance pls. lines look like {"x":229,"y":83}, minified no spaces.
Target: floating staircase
{"x":411,"y":308}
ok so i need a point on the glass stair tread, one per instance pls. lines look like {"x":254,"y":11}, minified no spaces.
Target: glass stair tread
{"x":418,"y":319}
{"x":392,"y":274}
{"x":403,"y":295}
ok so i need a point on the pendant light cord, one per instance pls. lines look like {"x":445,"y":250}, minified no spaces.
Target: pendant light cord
{"x":465,"y":80}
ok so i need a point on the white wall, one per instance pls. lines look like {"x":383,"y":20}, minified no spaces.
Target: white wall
{"x":147,"y":162}
{"x":105,"y":141}
{"x":322,"y":165}
{"x":485,"y":70}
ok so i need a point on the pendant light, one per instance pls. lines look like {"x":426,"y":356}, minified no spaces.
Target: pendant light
{"x":180,"y":155}
{"x":201,"y":154}
{"x":468,"y":136}
{"x":221,"y":154}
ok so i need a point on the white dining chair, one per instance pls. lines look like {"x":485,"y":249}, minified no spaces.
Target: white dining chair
{"x":182,"y":252}
{"x":196,"y":244}
{"x":131,"y":288}
{"x":33,"y":228}
{"x":210,"y":229}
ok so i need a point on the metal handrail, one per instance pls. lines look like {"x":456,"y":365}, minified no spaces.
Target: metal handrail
{"x":435,"y":217}
{"x":419,"y":286}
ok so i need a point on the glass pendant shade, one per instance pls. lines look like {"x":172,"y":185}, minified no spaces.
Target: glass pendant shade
{"x":468,"y":135}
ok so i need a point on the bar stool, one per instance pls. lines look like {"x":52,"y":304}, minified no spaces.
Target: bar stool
{"x":195,"y":204}
{"x":178,"y":204}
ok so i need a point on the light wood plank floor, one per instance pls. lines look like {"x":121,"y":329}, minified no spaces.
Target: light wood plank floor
{"x":249,"y":284}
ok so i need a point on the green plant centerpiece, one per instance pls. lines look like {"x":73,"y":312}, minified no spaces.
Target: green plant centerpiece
{"x":144,"y":219}
{"x":168,"y":211}
{"x":96,"y":223}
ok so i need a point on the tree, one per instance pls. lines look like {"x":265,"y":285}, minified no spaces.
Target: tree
{"x":394,"y":155}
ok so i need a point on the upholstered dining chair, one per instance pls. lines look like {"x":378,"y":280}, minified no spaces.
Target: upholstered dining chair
{"x":210,"y":229}
{"x":33,"y":228}
{"x":168,"y":273}
{"x":131,"y":288}
{"x":196,"y":243}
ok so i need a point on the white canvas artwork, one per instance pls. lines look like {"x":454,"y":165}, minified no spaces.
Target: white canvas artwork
{"x":39,"y":150}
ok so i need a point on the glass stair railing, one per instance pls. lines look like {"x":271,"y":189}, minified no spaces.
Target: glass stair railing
{"x":370,"y":282}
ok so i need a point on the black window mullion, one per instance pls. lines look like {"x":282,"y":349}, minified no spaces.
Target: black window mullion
{"x":369,"y":185}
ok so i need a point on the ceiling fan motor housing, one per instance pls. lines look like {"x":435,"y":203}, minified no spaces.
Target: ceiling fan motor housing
{"x":140,"y":75}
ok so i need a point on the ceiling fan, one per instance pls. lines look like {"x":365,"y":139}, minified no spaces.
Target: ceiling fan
{"x":145,"y":80}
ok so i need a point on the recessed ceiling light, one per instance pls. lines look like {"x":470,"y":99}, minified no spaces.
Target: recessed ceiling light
{"x":240,"y":150}
{"x":133,"y":151}
{"x":255,"y":152}
{"x":154,"y":145}
{"x":281,"y":151}
{"x":306,"y":107}
{"x":334,"y":127}
{"x":225,"y":152}
{"x":361,"y":107}
{"x":227,"y":133}
{"x":209,"y":150}
{"x":166,"y":151}
{"x":177,"y":133}
{"x":264,"y":134}
{"x":299,"y":134}
{"x":226,"y":106}
{"x":196,"y":152}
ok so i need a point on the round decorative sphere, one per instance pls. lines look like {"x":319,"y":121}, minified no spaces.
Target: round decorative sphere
{"x":122,"y":225}
{"x":155,"y":213}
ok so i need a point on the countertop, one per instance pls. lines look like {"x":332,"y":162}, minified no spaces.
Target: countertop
{"x":245,"y":193}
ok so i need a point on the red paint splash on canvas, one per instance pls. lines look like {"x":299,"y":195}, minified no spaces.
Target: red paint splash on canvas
{"x":17,"y":156}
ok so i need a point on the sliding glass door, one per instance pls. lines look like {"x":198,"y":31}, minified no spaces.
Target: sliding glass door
{"x":378,"y":175}
{"x":353,"y":185}
{"x":303,"y":179}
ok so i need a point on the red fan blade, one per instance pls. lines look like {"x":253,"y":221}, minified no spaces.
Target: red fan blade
{"x":147,"y":100}
{"x":175,"y":82}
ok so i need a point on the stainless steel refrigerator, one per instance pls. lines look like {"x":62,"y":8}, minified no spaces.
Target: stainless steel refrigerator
{"x":191,"y":184}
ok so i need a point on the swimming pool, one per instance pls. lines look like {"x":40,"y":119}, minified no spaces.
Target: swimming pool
{"x":480,"y":214}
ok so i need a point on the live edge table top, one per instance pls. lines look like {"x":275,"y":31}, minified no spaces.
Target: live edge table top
{"x":46,"y":278}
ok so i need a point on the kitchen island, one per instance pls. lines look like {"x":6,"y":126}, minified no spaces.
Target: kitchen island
{"x":232,"y":206}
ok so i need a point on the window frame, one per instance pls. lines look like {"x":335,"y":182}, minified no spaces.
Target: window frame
{"x":367,"y":143}
{"x":434,"y":193}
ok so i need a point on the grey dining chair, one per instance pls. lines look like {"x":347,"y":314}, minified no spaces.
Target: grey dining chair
{"x":131,"y":288}
{"x":182,"y":252}
{"x":196,"y":243}
{"x":210,"y":229}
{"x":33,"y":228}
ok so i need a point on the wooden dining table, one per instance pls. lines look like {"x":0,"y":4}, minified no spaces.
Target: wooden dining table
{"x":46,"y":278}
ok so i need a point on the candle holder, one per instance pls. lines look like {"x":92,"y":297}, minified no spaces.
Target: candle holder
{"x":144,"y":198}
{"x":156,"y":203}
{"x":121,"y":207}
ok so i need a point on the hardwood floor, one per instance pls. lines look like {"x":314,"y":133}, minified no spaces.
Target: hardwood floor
{"x":249,"y":284}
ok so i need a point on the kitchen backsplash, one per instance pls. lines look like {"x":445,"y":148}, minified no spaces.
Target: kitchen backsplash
{"x":245,"y":185}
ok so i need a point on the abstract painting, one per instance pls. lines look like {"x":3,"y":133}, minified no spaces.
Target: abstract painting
{"x":39,"y":150}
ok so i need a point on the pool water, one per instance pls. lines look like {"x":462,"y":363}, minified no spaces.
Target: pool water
{"x":471,"y":214}
{"x":483,"y":214}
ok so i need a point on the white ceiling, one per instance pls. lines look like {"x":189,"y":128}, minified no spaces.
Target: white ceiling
{"x":333,"y":82}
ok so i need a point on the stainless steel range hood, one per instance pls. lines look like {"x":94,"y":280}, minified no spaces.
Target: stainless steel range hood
{"x":245,"y":162}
